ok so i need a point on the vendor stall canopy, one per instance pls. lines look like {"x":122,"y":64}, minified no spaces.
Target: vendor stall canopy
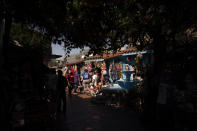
{"x":118,"y":55}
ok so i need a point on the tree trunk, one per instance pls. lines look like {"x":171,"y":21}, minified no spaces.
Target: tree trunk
{"x":4,"y":35}
{"x":152,"y":87}
{"x":6,"y":38}
{"x":1,"y":43}
{"x":159,"y":54}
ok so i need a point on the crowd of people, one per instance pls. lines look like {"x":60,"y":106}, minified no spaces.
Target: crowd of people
{"x":85,"y":81}
{"x":72,"y":82}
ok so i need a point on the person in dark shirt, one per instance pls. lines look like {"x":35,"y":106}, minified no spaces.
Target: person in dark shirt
{"x":86,"y":79}
{"x":106,"y":80}
{"x":61,"y":87}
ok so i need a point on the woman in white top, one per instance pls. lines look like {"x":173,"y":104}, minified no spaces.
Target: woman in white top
{"x":94,"y":79}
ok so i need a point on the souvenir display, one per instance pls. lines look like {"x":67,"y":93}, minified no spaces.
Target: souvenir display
{"x":119,"y":66}
{"x":127,"y":67}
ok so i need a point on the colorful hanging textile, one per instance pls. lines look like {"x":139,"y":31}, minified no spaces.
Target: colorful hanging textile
{"x":72,"y":70}
{"x":75,"y":68}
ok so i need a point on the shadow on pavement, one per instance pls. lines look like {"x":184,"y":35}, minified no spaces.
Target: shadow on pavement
{"x":82,"y":115}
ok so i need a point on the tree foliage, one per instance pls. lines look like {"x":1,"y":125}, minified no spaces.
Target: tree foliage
{"x":107,"y":25}
{"x":29,"y":37}
{"x":46,"y":16}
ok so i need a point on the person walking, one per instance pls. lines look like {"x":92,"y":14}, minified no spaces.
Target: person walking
{"x":71,"y":84}
{"x":95,"y":79}
{"x":86,"y":79}
{"x":61,"y":88}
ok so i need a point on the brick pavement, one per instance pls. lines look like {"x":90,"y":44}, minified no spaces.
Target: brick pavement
{"x":82,"y":115}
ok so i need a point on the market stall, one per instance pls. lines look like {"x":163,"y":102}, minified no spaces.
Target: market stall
{"x":134,"y":64}
{"x":94,"y":63}
{"x":123,"y":69}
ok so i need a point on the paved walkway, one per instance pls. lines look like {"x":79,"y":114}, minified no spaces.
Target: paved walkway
{"x":82,"y":115}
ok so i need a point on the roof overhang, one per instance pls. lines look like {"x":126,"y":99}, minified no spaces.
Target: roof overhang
{"x":94,"y":60}
{"x":54,"y":56}
{"x":138,"y":52}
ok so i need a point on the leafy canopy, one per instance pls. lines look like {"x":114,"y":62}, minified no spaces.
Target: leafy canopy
{"x":107,"y":25}
{"x":29,"y":37}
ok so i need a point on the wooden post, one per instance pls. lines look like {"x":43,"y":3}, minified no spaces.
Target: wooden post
{"x":6,"y":37}
{"x":1,"y":43}
{"x":3,"y":94}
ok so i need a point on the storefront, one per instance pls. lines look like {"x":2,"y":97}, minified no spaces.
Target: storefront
{"x":125,"y":68}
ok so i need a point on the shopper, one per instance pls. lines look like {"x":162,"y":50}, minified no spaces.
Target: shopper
{"x":86,"y":79}
{"x":106,"y":80}
{"x":94,"y":79}
{"x":71,"y":84}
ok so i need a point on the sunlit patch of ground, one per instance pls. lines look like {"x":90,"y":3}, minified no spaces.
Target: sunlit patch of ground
{"x":84,"y":96}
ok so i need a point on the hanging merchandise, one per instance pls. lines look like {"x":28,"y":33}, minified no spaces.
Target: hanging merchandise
{"x":99,"y":65}
{"x":140,"y":56}
{"x":113,"y":71}
{"x":90,"y":67}
{"x":87,"y":66}
{"x":129,"y":58}
{"x":72,"y":70}
{"x":75,"y":68}
{"x":127,"y":67}
{"x":103,"y":67}
{"x":119,"y":66}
